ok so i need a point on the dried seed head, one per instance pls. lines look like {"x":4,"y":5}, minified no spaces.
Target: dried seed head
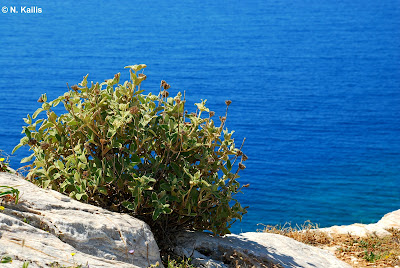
{"x":75,"y":87}
{"x":239,"y":153}
{"x":178,"y":101}
{"x":164,"y":93}
{"x":166,"y":86}
{"x":40,"y":99}
{"x":228,"y":102}
{"x":143,"y":76}
{"x":134,"y":110}
{"x":163,"y":82}
{"x":116,"y":76}
{"x":246,"y":185}
{"x":211,"y":160}
{"x":223,"y":119}
{"x":241,"y":166}
{"x":244,"y":157}
{"x":212,"y":113}
{"x":32,"y":142}
{"x":44,"y":145}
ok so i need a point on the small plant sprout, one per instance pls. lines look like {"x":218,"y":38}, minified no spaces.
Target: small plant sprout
{"x":9,"y":194}
{"x":6,"y":259}
{"x":3,"y":162}
{"x":73,"y":254}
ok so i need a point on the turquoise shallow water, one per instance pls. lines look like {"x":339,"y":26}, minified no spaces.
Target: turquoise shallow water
{"x":314,"y":85}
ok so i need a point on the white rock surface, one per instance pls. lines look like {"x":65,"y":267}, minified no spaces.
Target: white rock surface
{"x":46,"y":226}
{"x":261,"y":249}
{"x":390,"y":220}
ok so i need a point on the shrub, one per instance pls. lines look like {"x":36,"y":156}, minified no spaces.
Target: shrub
{"x":129,"y":152}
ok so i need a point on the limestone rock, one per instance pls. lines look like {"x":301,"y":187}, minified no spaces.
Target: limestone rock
{"x":47,"y":226}
{"x":256,"y":249}
{"x":390,"y":220}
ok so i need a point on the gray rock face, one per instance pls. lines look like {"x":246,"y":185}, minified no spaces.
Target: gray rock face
{"x":46,"y":226}
{"x":257,"y":249}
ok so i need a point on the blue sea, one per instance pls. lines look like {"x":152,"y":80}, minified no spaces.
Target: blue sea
{"x":315,"y":88}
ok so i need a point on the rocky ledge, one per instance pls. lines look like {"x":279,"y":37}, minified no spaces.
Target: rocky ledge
{"x":46,"y":227}
{"x":390,"y":220}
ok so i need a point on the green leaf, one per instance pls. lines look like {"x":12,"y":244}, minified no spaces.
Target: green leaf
{"x":228,"y":165}
{"x":37,"y":112}
{"x":141,"y":99}
{"x":73,"y":122}
{"x":201,"y":106}
{"x":145,"y":120}
{"x":128,"y":205}
{"x":17,"y":147}
{"x":102,"y":190}
{"x":28,"y":158}
{"x":167,"y":210}
{"x":82,"y":158}
{"x":46,"y":184}
{"x":27,"y":132}
{"x":84,"y":81}
{"x":156,"y":213}
{"x":52,"y":117}
{"x":136,"y":67}
{"x":165,"y":186}
{"x":59,"y":165}
{"x":135,"y":158}
{"x":133,"y":77}
{"x":80,"y":196}
{"x":138,"y":92}
{"x":77,"y":177}
{"x":56,"y":101}
{"x":28,"y":120}
{"x":46,"y":125}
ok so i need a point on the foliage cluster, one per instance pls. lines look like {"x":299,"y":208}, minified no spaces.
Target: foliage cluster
{"x":140,"y":153}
